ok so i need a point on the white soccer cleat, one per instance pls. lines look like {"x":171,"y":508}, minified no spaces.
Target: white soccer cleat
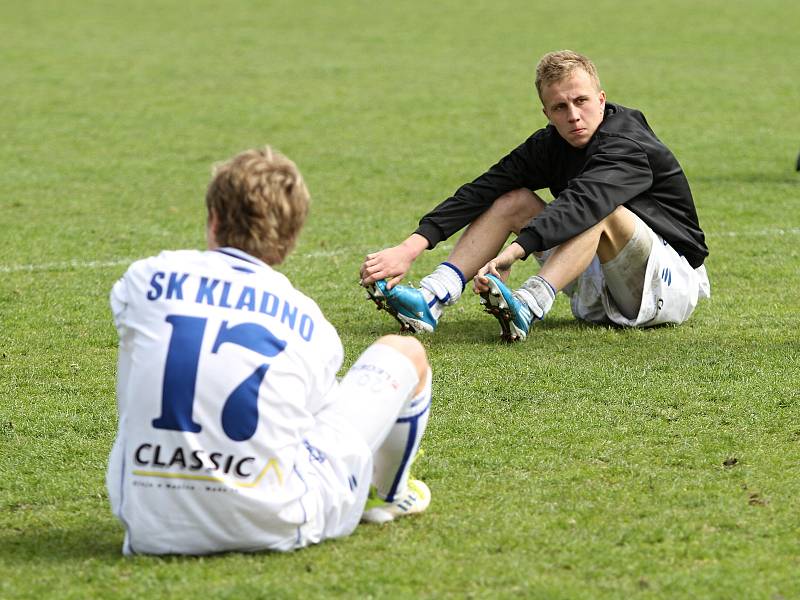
{"x":415,"y":500}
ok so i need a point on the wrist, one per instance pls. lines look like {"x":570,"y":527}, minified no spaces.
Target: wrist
{"x":513,"y":252}
{"x":415,"y":244}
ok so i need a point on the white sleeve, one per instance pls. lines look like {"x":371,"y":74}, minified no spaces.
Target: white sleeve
{"x":119,"y":301}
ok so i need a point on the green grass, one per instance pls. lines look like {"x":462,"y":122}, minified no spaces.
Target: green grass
{"x":585,"y":463}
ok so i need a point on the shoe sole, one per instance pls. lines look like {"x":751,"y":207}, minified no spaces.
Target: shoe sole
{"x":496,"y":305}
{"x":407,"y":324}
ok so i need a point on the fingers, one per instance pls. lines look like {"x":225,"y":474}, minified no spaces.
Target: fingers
{"x":372,"y":269}
{"x":390,"y":264}
{"x":394,"y":281}
{"x":479,"y":282}
{"x":369,"y":278}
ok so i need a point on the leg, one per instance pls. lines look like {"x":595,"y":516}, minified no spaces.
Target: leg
{"x":419,"y":310}
{"x":516,"y":311}
{"x":606,"y":239}
{"x":386,"y":397}
{"x":485,"y":236}
{"x":625,"y":273}
{"x":390,"y":373}
{"x":413,"y":351}
{"x":349,"y":438}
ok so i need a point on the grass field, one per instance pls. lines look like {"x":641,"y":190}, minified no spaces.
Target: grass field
{"x":586,"y":463}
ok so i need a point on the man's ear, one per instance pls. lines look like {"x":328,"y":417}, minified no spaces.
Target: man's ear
{"x":544,"y":112}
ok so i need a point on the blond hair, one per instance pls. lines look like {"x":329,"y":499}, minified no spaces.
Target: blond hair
{"x":260,"y":202}
{"x":557,"y":66}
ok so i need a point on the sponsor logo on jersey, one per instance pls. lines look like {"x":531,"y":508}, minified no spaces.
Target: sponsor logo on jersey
{"x":157,"y":460}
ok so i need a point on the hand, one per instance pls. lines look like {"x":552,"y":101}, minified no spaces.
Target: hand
{"x":500,"y":267}
{"x":392,"y":263}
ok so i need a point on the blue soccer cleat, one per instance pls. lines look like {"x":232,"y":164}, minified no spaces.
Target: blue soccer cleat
{"x":404,"y":303}
{"x":514,"y":315}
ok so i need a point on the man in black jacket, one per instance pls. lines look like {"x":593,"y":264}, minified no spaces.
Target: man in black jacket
{"x":621,"y":236}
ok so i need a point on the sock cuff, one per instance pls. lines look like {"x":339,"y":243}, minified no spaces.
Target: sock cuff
{"x":420,"y":403}
{"x":549,"y":285}
{"x":539,"y":295}
{"x":458,"y":272}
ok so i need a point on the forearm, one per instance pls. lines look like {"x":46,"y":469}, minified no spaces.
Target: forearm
{"x":473,"y":199}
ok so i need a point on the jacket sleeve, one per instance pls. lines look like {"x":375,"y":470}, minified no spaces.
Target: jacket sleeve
{"x":522,"y":167}
{"x":616,"y":172}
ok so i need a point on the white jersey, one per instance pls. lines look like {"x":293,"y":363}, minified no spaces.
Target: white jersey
{"x":222,"y":366}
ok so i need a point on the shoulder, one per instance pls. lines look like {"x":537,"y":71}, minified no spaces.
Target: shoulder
{"x":623,"y":121}
{"x":280,"y":285}
{"x":617,"y":114}
{"x":623,"y":130}
{"x":544,"y":137}
{"x":542,"y":145}
{"x":142,"y":272}
{"x":165,"y":259}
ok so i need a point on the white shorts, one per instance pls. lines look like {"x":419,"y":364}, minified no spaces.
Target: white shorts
{"x":337,"y":468}
{"x":670,"y":294}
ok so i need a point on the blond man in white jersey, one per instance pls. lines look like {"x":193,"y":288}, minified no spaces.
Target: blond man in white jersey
{"x":234,"y":432}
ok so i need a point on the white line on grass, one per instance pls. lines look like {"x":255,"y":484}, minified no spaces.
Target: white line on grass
{"x":100,"y":264}
{"x":758,"y":232}
{"x":65,"y":266}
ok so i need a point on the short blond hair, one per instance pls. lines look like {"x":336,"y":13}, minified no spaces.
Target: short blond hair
{"x":557,"y":66}
{"x":260,"y":202}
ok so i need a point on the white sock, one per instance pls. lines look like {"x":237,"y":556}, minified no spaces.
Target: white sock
{"x":373,"y":392}
{"x":443,"y":287}
{"x":538,"y":294}
{"x":392,"y":462}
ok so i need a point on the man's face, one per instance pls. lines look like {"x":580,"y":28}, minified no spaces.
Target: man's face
{"x":575,"y":107}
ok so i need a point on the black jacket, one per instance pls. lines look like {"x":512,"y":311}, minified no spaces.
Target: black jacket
{"x":624,"y":163}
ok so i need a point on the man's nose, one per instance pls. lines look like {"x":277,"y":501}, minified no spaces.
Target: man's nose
{"x":572,"y":113}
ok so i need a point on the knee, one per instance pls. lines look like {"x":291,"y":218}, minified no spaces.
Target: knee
{"x":620,"y":217}
{"x":615,"y":232}
{"x":412,"y":349}
{"x":517,"y":207}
